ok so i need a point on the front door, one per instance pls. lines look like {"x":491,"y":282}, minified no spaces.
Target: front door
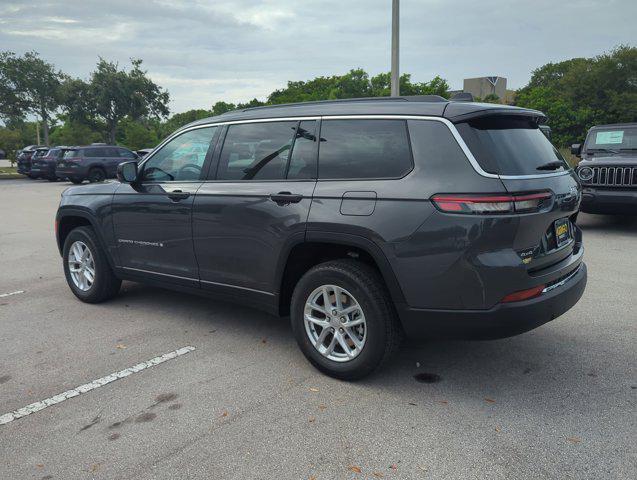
{"x":255,"y":206}
{"x":152,"y":218}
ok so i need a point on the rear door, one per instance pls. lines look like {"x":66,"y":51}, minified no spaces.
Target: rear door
{"x":527,"y":163}
{"x":153,"y":218}
{"x":255,"y":206}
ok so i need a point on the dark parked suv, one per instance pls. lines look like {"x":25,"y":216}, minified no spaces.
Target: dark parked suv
{"x":362,"y":220}
{"x":43,"y":163}
{"x":94,"y":163}
{"x":23,"y":159}
{"x":608,"y":170}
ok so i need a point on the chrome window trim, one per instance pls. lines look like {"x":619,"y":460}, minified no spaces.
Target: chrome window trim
{"x":452,"y":128}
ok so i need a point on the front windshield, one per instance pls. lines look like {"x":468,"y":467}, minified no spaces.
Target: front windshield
{"x":613,"y":139}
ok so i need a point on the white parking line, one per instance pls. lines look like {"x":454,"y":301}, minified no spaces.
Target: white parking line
{"x":87,"y":387}
{"x":12,"y":293}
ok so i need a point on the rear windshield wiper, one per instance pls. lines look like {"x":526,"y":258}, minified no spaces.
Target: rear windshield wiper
{"x":551,"y":166}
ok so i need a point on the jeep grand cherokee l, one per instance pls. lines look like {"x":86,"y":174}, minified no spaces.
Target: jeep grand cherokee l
{"x":23,"y":159}
{"x":94,"y":163}
{"x":362,"y":220}
{"x":608,"y":169}
{"x":43,"y":166}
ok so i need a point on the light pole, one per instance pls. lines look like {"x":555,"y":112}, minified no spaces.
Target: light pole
{"x":395,"y":76}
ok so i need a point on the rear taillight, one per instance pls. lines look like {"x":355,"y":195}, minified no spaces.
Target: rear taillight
{"x":524,"y":294}
{"x":492,"y":204}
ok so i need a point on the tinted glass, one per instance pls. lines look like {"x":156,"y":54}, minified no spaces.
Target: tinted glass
{"x":180,"y":159}
{"x":617,"y":138}
{"x":72,"y":153}
{"x":509,"y":146}
{"x":364,"y":149}
{"x":96,"y":152}
{"x":256,"y":151}
{"x":126,"y":154}
{"x":303,"y":158}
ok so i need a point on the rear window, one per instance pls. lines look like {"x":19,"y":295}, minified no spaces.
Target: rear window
{"x":364,"y":149}
{"x":618,"y":138}
{"x":510,"y":146}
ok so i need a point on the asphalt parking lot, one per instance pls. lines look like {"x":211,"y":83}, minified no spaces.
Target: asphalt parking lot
{"x":557,"y":402}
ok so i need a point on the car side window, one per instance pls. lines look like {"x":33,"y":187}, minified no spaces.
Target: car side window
{"x":126,"y":154}
{"x":111,"y":152}
{"x":364,"y":149}
{"x":182,"y":158}
{"x":303,"y":157}
{"x":256,"y":151}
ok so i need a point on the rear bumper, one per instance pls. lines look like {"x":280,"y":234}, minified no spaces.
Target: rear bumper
{"x":47,"y":170}
{"x":623,"y":202}
{"x":503,"y":320}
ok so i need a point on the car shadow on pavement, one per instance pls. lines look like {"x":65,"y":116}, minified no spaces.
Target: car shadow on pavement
{"x":608,"y":223}
{"x":533,"y":371}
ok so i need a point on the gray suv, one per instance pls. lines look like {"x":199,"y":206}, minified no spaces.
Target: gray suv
{"x":364,"y":221}
{"x":94,"y":163}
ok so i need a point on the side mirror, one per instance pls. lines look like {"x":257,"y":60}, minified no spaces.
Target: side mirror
{"x":576,"y":149}
{"x":127,"y":172}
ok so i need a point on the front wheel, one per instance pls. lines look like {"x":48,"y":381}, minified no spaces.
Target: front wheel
{"x":344,"y":320}
{"x":86,"y":267}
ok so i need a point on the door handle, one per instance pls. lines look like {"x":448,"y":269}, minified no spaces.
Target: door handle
{"x":283,"y":198}
{"x":177,"y":195}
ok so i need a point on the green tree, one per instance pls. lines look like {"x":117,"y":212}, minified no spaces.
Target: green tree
{"x":220,"y":108}
{"x":74,"y":132}
{"x":10,"y":141}
{"x":581,"y":92}
{"x":178,"y":120}
{"x":135,"y":135}
{"x":117,"y":94}
{"x":31,"y":85}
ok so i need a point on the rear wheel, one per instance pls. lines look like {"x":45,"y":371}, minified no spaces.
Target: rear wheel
{"x":96,"y":175}
{"x":344,"y":320}
{"x":86,"y":267}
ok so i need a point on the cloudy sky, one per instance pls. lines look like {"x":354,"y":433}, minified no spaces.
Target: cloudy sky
{"x":205,"y":51}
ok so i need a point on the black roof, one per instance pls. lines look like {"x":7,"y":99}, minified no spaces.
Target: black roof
{"x":427,"y":105}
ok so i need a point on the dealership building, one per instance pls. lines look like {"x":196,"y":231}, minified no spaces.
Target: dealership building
{"x":481,"y":87}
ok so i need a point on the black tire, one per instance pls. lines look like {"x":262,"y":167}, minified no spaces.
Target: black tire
{"x":76,"y":181}
{"x":105,"y":285}
{"x":383,"y":329}
{"x":96,"y":175}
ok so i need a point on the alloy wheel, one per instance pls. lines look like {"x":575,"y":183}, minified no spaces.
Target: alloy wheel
{"x":335,"y":323}
{"x":81,"y":266}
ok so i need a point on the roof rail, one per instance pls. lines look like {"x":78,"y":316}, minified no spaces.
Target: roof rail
{"x":408,"y":98}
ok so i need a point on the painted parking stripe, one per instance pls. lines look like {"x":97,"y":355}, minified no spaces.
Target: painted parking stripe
{"x":87,"y":387}
{"x":17,"y":292}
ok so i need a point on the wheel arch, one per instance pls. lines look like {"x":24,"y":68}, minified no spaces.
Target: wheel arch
{"x":68,"y":219}
{"x":318,"y":247}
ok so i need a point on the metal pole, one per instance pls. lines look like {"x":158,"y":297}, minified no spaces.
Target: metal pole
{"x":395,"y":76}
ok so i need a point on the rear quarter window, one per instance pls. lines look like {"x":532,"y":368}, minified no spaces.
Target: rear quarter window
{"x":359,"y":149}
{"x":509,"y":146}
